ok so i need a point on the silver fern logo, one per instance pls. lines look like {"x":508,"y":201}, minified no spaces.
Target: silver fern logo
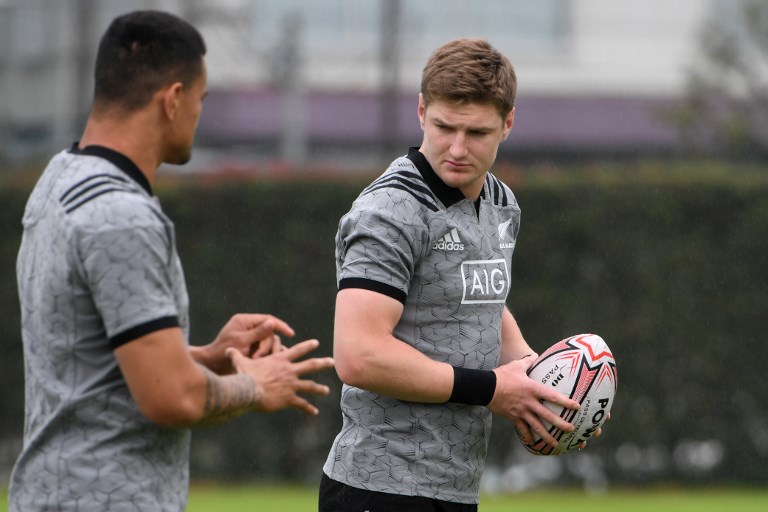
{"x":503,"y":232}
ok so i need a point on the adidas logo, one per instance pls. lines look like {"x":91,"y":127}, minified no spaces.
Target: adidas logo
{"x":449,"y":242}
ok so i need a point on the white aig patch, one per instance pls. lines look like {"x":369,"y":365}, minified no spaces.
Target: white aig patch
{"x":485,"y":281}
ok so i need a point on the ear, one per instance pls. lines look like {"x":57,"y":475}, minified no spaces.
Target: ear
{"x":509,"y":122}
{"x":422,"y":110}
{"x":170,"y":99}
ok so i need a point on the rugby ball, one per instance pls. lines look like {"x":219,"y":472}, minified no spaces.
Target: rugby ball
{"x":582,"y":368}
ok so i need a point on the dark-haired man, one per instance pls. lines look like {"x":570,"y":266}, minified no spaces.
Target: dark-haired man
{"x":423,"y":340}
{"x":111,"y":383}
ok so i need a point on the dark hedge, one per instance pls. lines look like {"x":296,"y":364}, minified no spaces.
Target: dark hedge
{"x":670,"y":268}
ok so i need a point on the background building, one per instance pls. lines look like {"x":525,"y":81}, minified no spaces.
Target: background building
{"x":333,"y":83}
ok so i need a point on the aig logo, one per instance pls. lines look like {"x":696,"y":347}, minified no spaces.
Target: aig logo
{"x":485,"y":281}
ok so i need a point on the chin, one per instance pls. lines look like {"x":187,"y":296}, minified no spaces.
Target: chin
{"x":456,"y":179}
{"x":180,"y":158}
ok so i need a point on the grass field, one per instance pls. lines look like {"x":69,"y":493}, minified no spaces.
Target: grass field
{"x":301,"y":499}
{"x":205,"y":498}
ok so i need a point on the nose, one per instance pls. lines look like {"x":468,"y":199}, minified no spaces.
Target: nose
{"x":458,"y":147}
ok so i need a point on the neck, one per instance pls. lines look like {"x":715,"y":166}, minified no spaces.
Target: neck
{"x":133,"y":137}
{"x":473,"y":191}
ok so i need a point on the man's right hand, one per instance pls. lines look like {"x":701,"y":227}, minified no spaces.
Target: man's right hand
{"x":277,"y":376}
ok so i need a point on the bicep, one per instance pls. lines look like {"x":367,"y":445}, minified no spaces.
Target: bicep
{"x":364,"y":320}
{"x":369,"y":356}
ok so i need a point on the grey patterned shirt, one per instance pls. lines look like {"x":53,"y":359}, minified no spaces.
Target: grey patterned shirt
{"x":448,"y":260}
{"x":97,"y":268}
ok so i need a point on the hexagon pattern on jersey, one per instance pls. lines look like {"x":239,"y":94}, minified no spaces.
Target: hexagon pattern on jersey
{"x":399,"y":233}
{"x":97,"y":259}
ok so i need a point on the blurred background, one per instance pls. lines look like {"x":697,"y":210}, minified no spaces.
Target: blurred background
{"x":638,"y":156}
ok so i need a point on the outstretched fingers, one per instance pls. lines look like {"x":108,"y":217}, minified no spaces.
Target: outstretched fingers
{"x":312,"y":387}
{"x":300,"y":349}
{"x":305,"y":406}
{"x":313,"y":365}
{"x":279,"y":376}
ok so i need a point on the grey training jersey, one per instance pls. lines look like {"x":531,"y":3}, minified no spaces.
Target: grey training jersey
{"x":97,"y":268}
{"x":448,"y":260}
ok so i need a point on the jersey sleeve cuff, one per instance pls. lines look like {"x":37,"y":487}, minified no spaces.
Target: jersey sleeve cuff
{"x":143,"y":329}
{"x":374,"y":286}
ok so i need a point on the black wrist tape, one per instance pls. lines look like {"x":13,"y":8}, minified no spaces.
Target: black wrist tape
{"x":473,"y":387}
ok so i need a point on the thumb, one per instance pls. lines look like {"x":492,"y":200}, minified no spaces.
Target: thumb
{"x":235,"y":357}
{"x":528,"y":360}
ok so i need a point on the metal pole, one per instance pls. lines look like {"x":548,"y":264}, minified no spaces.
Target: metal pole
{"x":390,"y":77}
{"x":293,"y":140}
{"x":84,"y":62}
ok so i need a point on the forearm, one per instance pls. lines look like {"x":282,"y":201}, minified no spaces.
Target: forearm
{"x":513,"y":344}
{"x":171,"y":389}
{"x":395,"y":369}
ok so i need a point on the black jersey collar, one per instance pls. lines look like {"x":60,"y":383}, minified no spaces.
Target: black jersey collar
{"x":119,"y":160}
{"x":446,"y":194}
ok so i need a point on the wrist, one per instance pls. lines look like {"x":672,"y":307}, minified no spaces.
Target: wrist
{"x":206,"y":356}
{"x":473,"y":387}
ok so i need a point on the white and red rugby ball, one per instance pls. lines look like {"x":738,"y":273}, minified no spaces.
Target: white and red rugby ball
{"x":582,"y":368}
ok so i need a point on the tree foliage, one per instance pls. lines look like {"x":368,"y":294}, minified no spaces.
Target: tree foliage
{"x":726,"y":104}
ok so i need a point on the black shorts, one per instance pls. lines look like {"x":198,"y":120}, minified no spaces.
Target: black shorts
{"x":338,"y":497}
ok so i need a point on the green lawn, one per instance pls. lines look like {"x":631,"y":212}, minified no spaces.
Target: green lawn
{"x":205,"y":498}
{"x":302,"y":499}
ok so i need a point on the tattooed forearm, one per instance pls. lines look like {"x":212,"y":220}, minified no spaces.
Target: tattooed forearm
{"x":227,"y":397}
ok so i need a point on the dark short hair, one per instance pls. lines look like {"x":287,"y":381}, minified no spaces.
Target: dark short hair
{"x":140,"y":53}
{"x":470,"y":71}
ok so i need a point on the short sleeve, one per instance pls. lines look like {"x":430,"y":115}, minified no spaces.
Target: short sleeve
{"x":127,"y":271}
{"x":378,"y":246}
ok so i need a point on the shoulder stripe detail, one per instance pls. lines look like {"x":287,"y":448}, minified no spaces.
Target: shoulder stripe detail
{"x":416,"y":187}
{"x":499,"y":194}
{"x":82,"y":190}
{"x":94,"y":186}
{"x":374,"y":286}
{"x":395,"y":177}
{"x":73,"y":207}
{"x":398,"y":174}
{"x":89,"y":178}
{"x":417,"y":183}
